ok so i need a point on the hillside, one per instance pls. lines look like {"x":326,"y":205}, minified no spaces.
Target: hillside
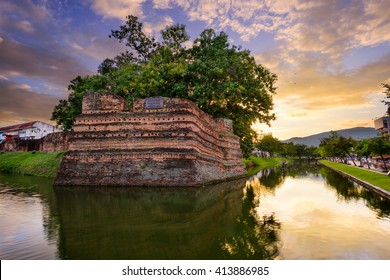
{"x":356,"y":133}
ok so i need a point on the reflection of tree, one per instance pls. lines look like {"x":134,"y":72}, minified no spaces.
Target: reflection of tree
{"x":255,"y":237}
{"x":147,"y":223}
{"x":271,"y":178}
{"x":268,"y":180}
{"x":345,"y":188}
{"x":40,"y":189}
{"x":301,"y":168}
{"x":348,"y":190}
{"x":377,"y":203}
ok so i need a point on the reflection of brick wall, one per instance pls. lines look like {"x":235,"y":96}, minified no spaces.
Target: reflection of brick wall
{"x":162,"y":141}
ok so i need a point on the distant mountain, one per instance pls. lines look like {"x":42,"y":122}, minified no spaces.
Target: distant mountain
{"x":356,"y":133}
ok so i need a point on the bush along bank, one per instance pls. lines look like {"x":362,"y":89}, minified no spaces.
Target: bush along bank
{"x":255,"y":164}
{"x":265,"y":162}
{"x":31,"y":163}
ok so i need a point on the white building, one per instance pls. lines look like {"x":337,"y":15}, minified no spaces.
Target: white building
{"x":25,"y":131}
{"x":382,"y":124}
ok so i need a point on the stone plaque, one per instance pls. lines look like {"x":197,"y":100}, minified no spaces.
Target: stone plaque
{"x":154,"y":103}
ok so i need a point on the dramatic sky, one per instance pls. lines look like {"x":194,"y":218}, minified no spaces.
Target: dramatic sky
{"x":331,"y":56}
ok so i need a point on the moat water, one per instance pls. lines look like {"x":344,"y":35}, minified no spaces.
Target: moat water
{"x":299,"y":212}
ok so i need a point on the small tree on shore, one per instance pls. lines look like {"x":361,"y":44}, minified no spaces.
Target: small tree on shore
{"x":362,"y":150}
{"x":337,"y":146}
{"x":269,"y":144}
{"x":380,"y":146}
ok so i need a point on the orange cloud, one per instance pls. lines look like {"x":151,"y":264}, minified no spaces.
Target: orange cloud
{"x":20,"y":104}
{"x":118,"y":8}
{"x":357,"y":123}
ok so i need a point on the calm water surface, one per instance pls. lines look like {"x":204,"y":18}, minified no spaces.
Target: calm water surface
{"x":300,"y":212}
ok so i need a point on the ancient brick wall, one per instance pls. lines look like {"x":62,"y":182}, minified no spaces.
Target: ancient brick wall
{"x":160,"y":141}
{"x":54,"y":142}
{"x":19,"y":145}
{"x":95,"y":102}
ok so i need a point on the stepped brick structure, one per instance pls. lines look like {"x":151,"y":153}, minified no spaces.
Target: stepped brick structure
{"x":159,"y":142}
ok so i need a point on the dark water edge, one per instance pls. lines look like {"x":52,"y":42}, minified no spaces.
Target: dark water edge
{"x":239,"y":219}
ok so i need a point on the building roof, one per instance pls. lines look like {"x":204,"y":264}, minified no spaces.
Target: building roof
{"x":17,"y":126}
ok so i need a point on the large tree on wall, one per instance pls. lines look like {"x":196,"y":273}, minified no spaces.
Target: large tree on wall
{"x":224,"y":80}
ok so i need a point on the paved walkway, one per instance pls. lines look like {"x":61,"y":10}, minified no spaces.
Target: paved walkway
{"x":365,"y":166}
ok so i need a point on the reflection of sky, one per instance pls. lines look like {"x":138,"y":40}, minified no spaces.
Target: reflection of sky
{"x":318,"y":225}
{"x":21,"y":226}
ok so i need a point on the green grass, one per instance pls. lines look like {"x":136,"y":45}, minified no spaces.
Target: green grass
{"x":374,"y":178}
{"x":26,"y":163}
{"x":264,"y":162}
{"x":255,"y":164}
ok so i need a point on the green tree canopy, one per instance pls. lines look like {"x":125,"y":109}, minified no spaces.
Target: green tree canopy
{"x":337,"y":146}
{"x":380,"y":146}
{"x":269,"y":144}
{"x":362,"y":151}
{"x":377,"y":146}
{"x":225,"y":81}
{"x":288,"y":150}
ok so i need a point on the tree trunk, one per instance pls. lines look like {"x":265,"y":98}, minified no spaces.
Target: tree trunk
{"x":368,"y":163}
{"x":352,"y":159}
{"x":384,"y":162}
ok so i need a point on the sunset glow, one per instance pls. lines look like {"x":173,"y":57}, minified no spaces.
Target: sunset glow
{"x":331,"y":57}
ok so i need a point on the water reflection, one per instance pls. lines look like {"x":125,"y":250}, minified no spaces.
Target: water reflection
{"x":351,"y":191}
{"x":28,"y":222}
{"x":344,"y":188}
{"x":255,"y":237}
{"x":324,"y":216}
{"x":303,"y":211}
{"x":127,"y":223}
{"x":271,"y":178}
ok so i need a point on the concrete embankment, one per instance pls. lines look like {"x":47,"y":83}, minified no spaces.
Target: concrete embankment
{"x":376,"y":189}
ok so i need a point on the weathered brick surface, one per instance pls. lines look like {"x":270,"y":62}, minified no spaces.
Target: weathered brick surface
{"x":19,"y":145}
{"x":53,"y":142}
{"x":96,"y":102}
{"x":174,"y":144}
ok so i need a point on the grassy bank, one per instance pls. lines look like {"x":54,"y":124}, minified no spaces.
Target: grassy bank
{"x":255,"y":164}
{"x":264,"y":162}
{"x":376,"y":179}
{"x":27,"y":163}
